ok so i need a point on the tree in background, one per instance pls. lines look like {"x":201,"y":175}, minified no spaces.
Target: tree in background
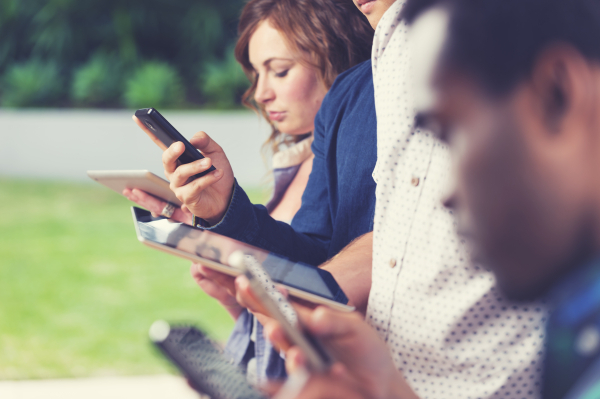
{"x":115,"y":53}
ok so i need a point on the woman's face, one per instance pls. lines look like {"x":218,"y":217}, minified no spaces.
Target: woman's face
{"x":290,"y":92}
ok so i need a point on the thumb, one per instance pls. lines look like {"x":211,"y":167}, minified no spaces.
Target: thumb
{"x":294,"y":359}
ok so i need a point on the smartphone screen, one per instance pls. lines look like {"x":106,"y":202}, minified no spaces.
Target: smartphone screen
{"x":164,"y":135}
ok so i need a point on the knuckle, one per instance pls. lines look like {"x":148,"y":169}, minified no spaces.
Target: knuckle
{"x":201,"y":135}
{"x":201,"y":164}
{"x":355,"y":316}
{"x":323,"y":313}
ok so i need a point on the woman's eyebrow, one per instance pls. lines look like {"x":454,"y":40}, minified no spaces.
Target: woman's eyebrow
{"x":268,"y":61}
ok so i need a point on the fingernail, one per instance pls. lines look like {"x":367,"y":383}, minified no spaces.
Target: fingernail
{"x":204,"y":163}
{"x":217,"y":173}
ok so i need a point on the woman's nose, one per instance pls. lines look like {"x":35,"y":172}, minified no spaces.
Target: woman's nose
{"x":264,"y":93}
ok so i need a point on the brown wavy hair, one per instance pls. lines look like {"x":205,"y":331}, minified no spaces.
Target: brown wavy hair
{"x":333,"y":34}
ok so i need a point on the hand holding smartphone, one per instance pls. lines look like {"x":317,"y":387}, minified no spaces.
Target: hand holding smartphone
{"x":318,"y":358}
{"x":206,"y":198}
{"x":164,"y":135}
{"x":207,"y":369}
{"x":202,"y":362}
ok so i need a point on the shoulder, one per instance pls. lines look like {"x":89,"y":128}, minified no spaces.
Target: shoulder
{"x":348,"y":87}
{"x":354,"y":79}
{"x":352,"y":90}
{"x":391,"y":35}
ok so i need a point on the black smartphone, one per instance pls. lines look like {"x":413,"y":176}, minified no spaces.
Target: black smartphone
{"x":202,"y":362}
{"x":164,"y":134}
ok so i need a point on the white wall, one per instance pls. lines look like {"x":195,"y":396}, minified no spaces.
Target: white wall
{"x":64,"y":144}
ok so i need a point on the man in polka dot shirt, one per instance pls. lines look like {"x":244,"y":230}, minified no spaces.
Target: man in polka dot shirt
{"x":450,"y":331}
{"x":516,"y":93}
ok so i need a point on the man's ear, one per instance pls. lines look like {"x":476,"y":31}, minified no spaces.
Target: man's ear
{"x":562,"y":83}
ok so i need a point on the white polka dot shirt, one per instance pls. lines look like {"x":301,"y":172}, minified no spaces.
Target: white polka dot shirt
{"x":450,"y":331}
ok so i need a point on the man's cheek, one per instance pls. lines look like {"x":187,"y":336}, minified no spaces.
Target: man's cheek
{"x":477,"y":188}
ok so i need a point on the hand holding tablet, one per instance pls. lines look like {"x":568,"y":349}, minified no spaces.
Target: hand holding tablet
{"x":145,"y":189}
{"x":158,"y":206}
{"x":218,"y":286}
{"x":213,"y":250}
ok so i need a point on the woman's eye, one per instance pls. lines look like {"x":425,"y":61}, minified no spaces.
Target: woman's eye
{"x":282,"y":74}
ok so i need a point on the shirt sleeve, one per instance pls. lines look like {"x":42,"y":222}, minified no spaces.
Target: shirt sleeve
{"x":308,"y":237}
{"x":314,"y":218}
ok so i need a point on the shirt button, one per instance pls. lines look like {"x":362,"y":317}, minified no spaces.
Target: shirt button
{"x":415,"y":181}
{"x":392,"y":263}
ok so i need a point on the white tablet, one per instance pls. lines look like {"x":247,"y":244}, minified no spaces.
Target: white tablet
{"x":213,"y":250}
{"x":144,"y":180}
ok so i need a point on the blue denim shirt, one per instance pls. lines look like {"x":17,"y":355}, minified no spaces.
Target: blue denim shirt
{"x":338,"y":204}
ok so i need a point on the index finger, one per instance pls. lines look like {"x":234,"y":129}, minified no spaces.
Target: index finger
{"x":170,"y":156}
{"x":246,"y":297}
{"x":329,"y":323}
{"x":205,"y":144}
{"x":275,"y":333}
{"x":222,"y":279}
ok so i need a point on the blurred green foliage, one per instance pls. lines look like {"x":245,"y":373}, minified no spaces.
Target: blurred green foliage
{"x":98,"y":82}
{"x":95,"y":50}
{"x":31,"y":83}
{"x":154,"y":83}
{"x":224,"y":82}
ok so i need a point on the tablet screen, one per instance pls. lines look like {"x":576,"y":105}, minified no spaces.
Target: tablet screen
{"x":216,"y":247}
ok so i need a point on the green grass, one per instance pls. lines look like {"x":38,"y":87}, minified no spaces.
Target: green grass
{"x":78,"y":291}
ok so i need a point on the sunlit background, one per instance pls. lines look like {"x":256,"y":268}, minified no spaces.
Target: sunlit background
{"x":77,"y":291}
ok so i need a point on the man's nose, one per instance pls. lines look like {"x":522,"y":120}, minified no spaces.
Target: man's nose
{"x":450,"y":201}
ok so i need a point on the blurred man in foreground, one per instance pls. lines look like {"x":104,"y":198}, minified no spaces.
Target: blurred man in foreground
{"x":516,"y":94}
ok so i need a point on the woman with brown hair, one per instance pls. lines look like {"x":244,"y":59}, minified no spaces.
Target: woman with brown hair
{"x":298,"y":49}
{"x":292,"y":51}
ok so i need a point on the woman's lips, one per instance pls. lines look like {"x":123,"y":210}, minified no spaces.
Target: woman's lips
{"x":366,"y":6}
{"x":276,"y":116}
